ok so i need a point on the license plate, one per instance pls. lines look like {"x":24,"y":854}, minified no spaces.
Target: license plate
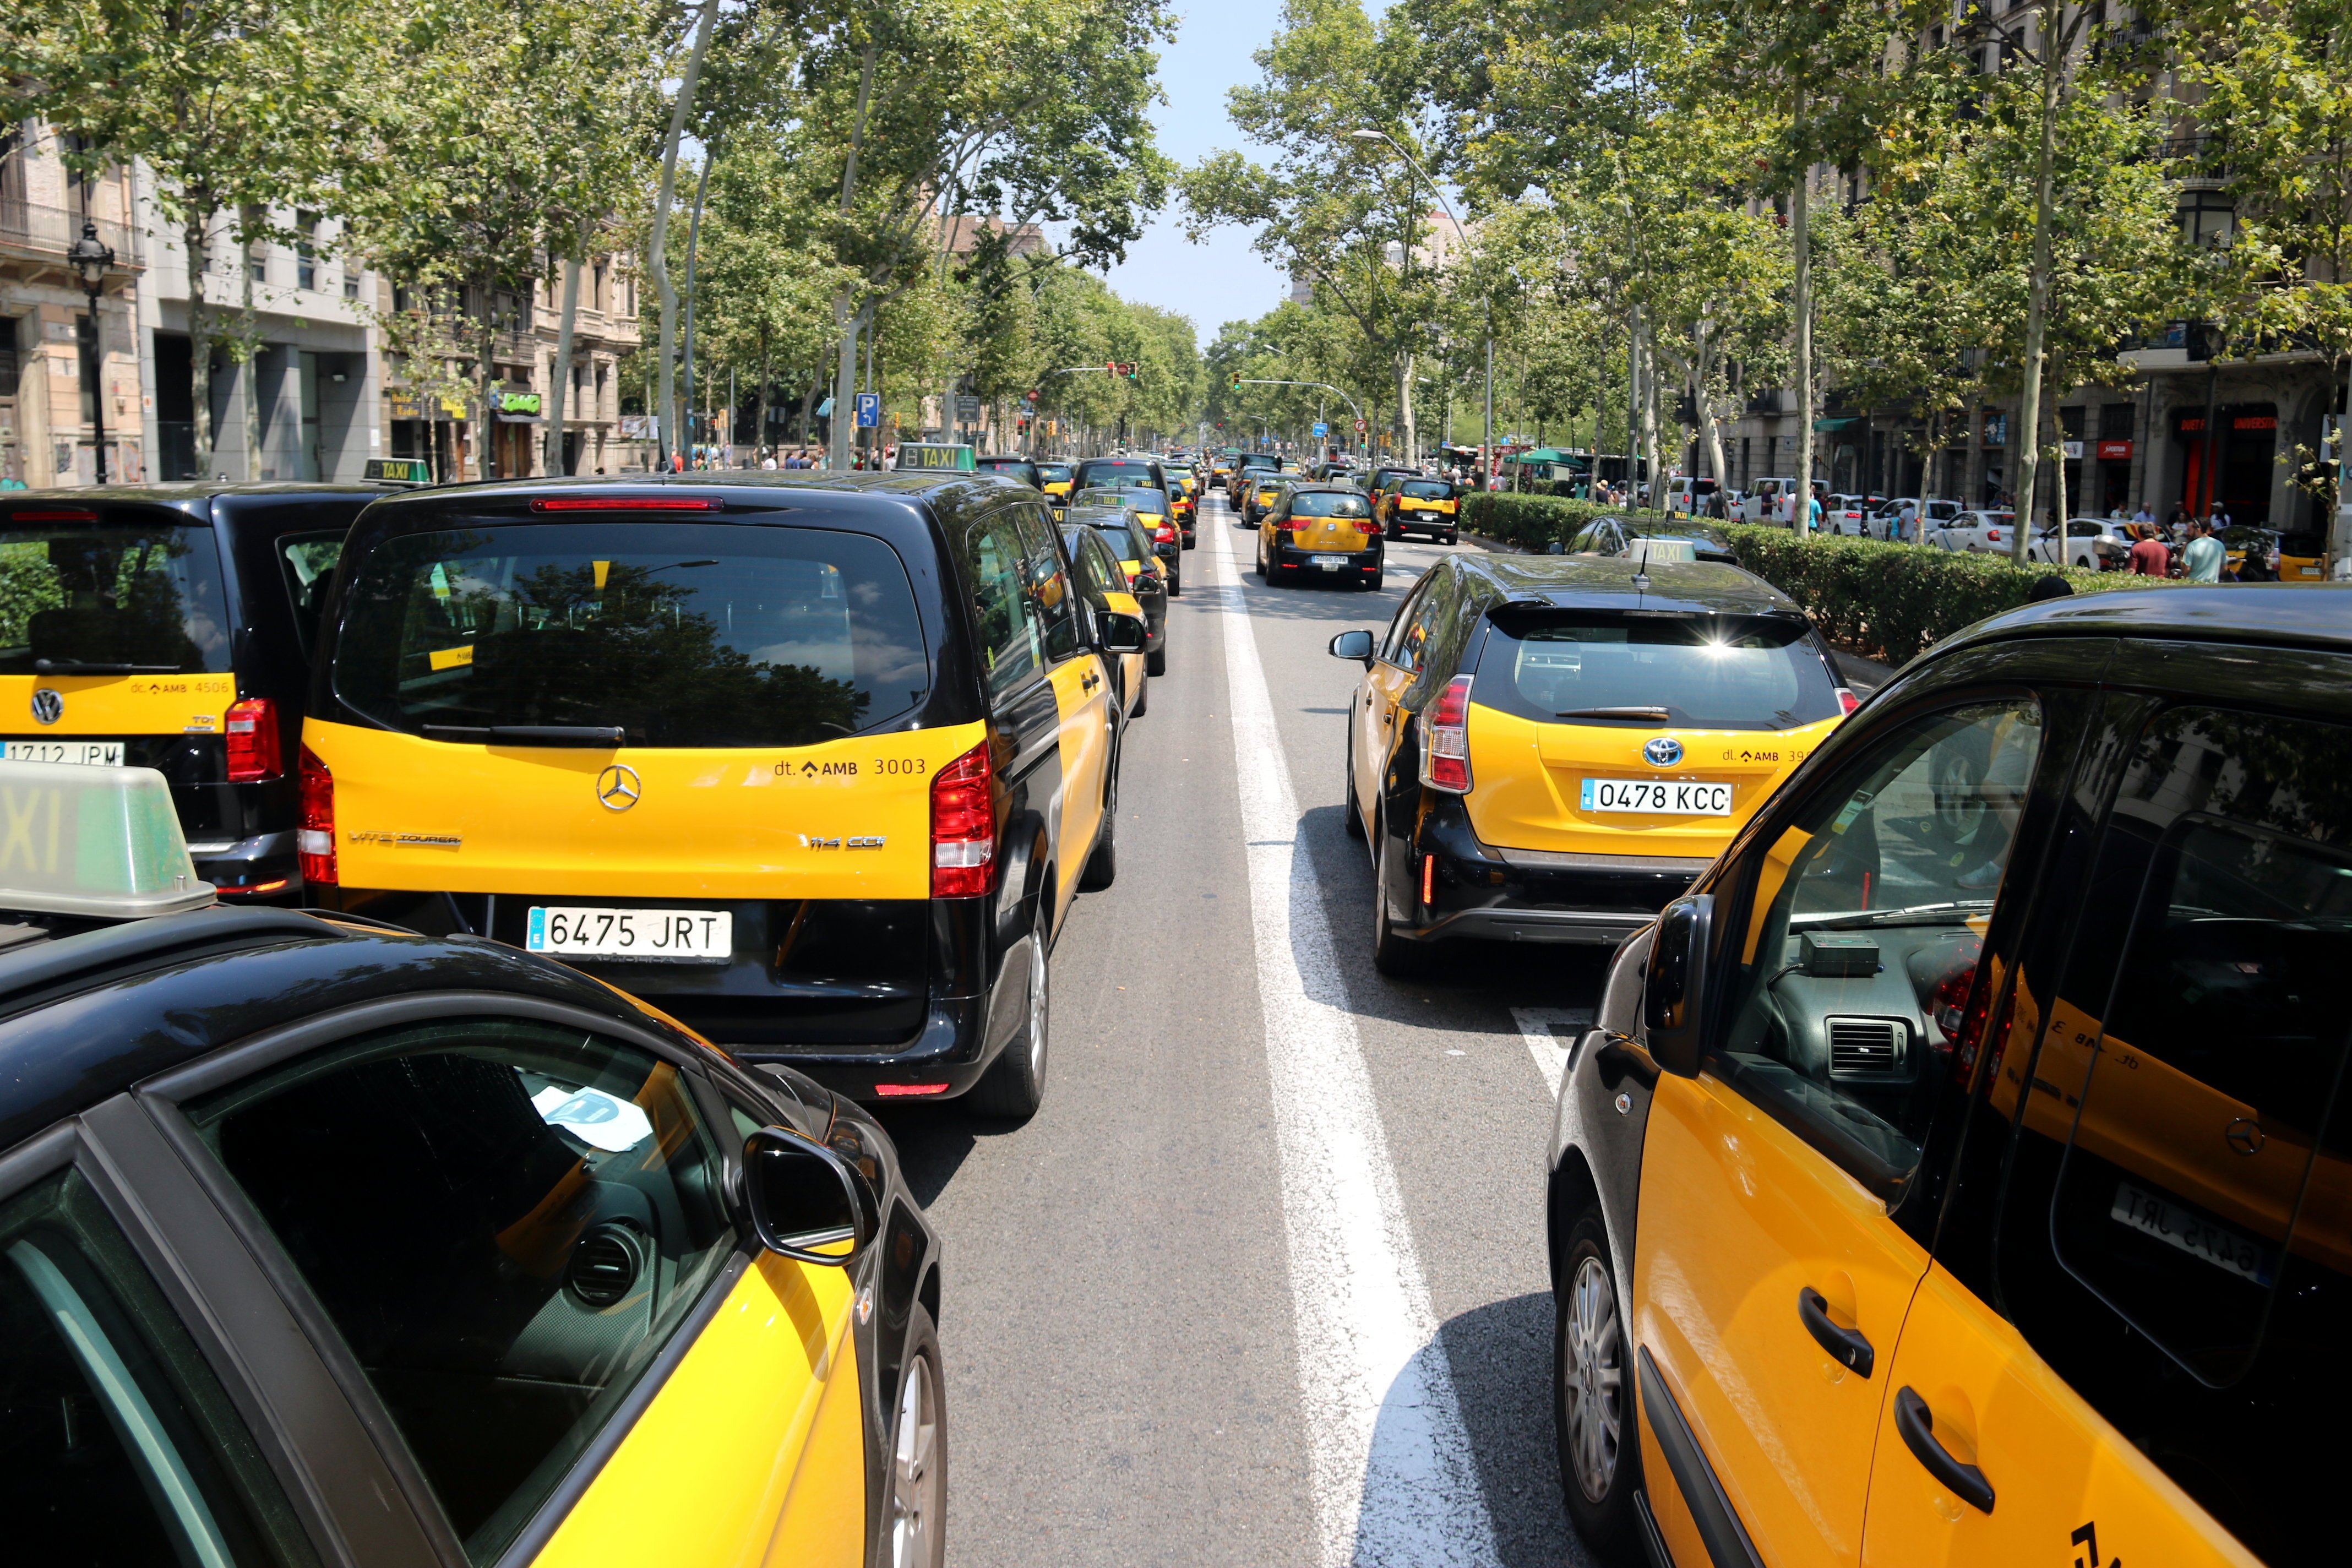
{"x":2217,"y":1244}
{"x":1663,"y":796}
{"x":83,"y":753}
{"x":661,"y":936}
{"x":1330,"y":562}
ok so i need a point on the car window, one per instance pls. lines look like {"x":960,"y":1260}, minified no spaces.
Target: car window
{"x":143,"y":594}
{"x":1012,"y":634}
{"x":1058,"y":610}
{"x":1711,"y":672}
{"x":504,"y":1220}
{"x":1865,"y":919}
{"x":309,"y":561}
{"x":117,"y":1447}
{"x":1402,"y":645}
{"x":2171,"y":1236}
{"x":1327,"y":503}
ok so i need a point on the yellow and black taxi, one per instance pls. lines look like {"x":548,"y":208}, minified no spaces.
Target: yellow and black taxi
{"x":1385,"y":482}
{"x":817,"y":765}
{"x":1956,"y":1172}
{"x":169,"y":626}
{"x":1624,"y":536}
{"x":1147,"y":474}
{"x":1167,"y":544}
{"x":1425,"y":506}
{"x":1055,"y":479}
{"x":1248,"y":467}
{"x":1183,"y":504}
{"x":326,"y":1242}
{"x":1322,"y":531}
{"x":1263,"y":493}
{"x":1149,"y":558}
{"x":1013,"y":466}
{"x":1107,"y":589}
{"x":1548,"y":750}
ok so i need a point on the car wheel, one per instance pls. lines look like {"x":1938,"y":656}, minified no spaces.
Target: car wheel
{"x":1372,"y":582}
{"x":1015,"y":1085}
{"x":1593,"y":1405}
{"x":1188,"y":541}
{"x":1176,"y":586}
{"x":1102,"y":865}
{"x":1143,"y":692}
{"x":1355,"y":822}
{"x":1453,"y":536}
{"x":918,"y":1527}
{"x":1156,"y":661}
{"x":1261,"y":562}
{"x":1392,"y":954}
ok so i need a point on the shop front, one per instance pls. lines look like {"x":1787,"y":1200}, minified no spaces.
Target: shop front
{"x":2231,"y":465}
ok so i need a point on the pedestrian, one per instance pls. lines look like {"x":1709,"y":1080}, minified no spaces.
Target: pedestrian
{"x":2204,"y":558}
{"x":768,"y":459}
{"x":2143,"y":514}
{"x":2051,"y":587}
{"x":2149,"y":558}
{"x":1813,"y":513}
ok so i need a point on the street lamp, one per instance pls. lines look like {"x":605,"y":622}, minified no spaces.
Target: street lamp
{"x":93,"y":258}
{"x":1487,"y":437}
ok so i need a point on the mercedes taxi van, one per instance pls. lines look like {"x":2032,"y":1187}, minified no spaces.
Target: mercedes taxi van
{"x":817,"y":765}
{"x":169,"y":626}
{"x":1549,"y":748}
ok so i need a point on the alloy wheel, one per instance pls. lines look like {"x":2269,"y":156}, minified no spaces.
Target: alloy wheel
{"x":1037,"y":1006}
{"x":1593,"y":1378}
{"x":915,"y":1500}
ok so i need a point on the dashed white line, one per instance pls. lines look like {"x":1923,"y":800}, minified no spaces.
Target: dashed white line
{"x":1545,"y":1042}
{"x":1391,"y":1467}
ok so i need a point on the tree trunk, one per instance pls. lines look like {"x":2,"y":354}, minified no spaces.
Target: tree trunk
{"x":195,"y":236}
{"x":252,"y":377}
{"x":693,"y":245}
{"x":2058,"y":479}
{"x":1649,"y":418}
{"x":767,"y":392}
{"x":486,"y":413}
{"x":658,"y":243}
{"x":1800,"y":244}
{"x":845,"y":381}
{"x":2037,"y":293}
{"x":1706,"y":409}
{"x":563,"y":376}
{"x":1404,"y":409}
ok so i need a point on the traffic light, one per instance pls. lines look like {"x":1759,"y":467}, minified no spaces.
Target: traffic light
{"x":1130,"y":369}
{"x":1235,"y":384}
{"x":1111,"y":368}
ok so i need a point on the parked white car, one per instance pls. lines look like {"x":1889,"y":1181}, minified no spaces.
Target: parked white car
{"x":1983,"y":532}
{"x":2090,"y":541}
{"x":1769,"y":501}
{"x":1886,"y":522}
{"x":1849,"y":514}
{"x":1690,"y":494}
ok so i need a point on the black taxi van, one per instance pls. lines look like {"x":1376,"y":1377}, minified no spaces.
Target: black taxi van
{"x":169,"y":626}
{"x":817,"y":765}
{"x":1959,"y":1172}
{"x":323,"y":1243}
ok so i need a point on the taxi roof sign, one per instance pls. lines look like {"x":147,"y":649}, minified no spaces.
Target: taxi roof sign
{"x":96,"y":842}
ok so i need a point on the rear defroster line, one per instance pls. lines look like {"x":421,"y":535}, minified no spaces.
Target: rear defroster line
{"x":1395,"y":1479}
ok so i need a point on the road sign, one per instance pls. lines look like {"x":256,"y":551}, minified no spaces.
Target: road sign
{"x":869,"y":410}
{"x":1360,"y":427}
{"x":1321,"y":428}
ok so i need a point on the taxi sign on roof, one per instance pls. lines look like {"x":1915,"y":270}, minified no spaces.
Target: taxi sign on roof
{"x":100,"y":843}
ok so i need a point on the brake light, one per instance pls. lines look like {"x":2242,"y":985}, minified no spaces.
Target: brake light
{"x":1992,"y":536}
{"x":1446,"y":750}
{"x":964,"y":826}
{"x":1164,"y":534}
{"x":252,"y":727}
{"x":890,"y":1091}
{"x":1847,"y":700}
{"x":314,"y":835}
{"x":623,"y":503}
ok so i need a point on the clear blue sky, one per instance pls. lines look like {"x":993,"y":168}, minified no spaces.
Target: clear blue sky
{"x":1222,"y":280}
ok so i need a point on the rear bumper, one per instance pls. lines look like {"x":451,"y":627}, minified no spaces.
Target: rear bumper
{"x":263,"y":866}
{"x":1423,"y":522}
{"x":1478,"y":889}
{"x":1353,"y":562}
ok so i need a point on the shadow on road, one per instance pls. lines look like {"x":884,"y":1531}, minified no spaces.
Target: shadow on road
{"x":934,"y":1140}
{"x":1501,"y":1359}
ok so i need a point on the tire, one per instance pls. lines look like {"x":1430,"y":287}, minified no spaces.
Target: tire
{"x":914,"y":1535}
{"x":1260,"y":564}
{"x":1175,"y":590}
{"x":1102,"y":865}
{"x":1355,"y":822}
{"x":1156,"y":661}
{"x":1392,"y":956}
{"x":1143,"y":693}
{"x":1015,"y":1085}
{"x":1453,"y":536}
{"x":1372,"y":582}
{"x":1592,"y":1397}
{"x":1189,"y":539}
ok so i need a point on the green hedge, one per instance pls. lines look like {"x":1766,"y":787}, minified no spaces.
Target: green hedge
{"x":1883,"y":600}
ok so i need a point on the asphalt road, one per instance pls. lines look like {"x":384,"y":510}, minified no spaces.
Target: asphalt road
{"x":1264,"y":1281}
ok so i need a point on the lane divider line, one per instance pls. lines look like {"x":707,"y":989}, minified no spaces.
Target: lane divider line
{"x":1544,"y":1041}
{"x":1395,"y":1479}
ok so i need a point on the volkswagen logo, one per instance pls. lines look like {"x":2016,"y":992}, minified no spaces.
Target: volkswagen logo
{"x":1662,"y":753}
{"x":47,"y":706}
{"x":2245,"y":1135}
{"x":618,"y":787}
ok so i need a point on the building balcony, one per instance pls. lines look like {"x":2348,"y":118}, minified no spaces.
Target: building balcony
{"x":34,"y":240}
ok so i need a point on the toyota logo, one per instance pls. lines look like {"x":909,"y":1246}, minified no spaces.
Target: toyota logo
{"x":618,"y":787}
{"x":47,"y":706}
{"x":2245,"y":1135}
{"x":1662,"y":753}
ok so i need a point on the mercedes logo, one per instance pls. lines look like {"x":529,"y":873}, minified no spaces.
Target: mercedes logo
{"x":618,"y":787}
{"x":2245,"y":1135}
{"x":1662,"y":753}
{"x":47,"y":706}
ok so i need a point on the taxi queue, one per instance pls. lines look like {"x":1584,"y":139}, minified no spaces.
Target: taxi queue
{"x":1867,"y":1037}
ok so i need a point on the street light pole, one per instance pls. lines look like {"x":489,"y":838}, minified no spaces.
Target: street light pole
{"x":92,"y":258}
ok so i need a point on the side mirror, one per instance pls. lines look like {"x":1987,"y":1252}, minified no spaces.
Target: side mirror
{"x":1116,"y":633}
{"x":1674,"y":989}
{"x":1355,"y":645}
{"x":804,"y":1199}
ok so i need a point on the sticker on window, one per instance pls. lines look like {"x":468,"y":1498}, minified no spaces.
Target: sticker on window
{"x":593,"y":1117}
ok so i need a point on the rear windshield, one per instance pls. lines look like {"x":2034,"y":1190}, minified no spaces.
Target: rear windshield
{"x":1149,"y":501}
{"x":1258,"y":460}
{"x":118,"y":598}
{"x":1054,"y":473}
{"x":1020,"y":468}
{"x":1429,"y":490}
{"x":1128,"y":540}
{"x":1707,"y":672}
{"x":1119,"y":471}
{"x":1697,"y":531}
{"x":1331,"y":503}
{"x":680,"y":634}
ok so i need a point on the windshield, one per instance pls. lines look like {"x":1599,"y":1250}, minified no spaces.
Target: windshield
{"x":1259,"y":460}
{"x":1329,"y":503}
{"x":1119,"y":471}
{"x":1128,"y":540}
{"x":1710,"y":672}
{"x":121,"y":599}
{"x":1428,"y":490}
{"x":680,"y":633}
{"x":1020,"y":468}
{"x":1054,"y":473}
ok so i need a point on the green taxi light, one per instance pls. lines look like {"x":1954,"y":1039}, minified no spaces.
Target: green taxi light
{"x":97,"y":842}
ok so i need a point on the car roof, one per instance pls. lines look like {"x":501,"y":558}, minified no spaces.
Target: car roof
{"x":83,"y":1017}
{"x":877,"y":494}
{"x":1595,"y":582}
{"x":2315,"y":615}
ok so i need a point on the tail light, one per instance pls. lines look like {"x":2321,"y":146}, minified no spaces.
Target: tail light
{"x":1992,"y":536}
{"x":253,"y":740}
{"x":1847,"y":700}
{"x":314,"y":834}
{"x":1164,"y":534}
{"x":1445,"y":746}
{"x":963,"y":827}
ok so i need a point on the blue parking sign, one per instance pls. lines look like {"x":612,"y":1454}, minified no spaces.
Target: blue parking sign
{"x":1321,"y":428}
{"x":869,"y":410}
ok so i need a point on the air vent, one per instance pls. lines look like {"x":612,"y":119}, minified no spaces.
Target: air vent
{"x":605,"y":1264}
{"x":1865,"y":1046}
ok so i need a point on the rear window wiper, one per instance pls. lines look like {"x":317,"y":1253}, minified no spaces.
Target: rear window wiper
{"x":99,"y":667}
{"x":1638,"y":711}
{"x":532,"y":734}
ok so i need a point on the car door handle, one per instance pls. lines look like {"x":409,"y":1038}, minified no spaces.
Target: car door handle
{"x":1088,"y":681}
{"x":1917,"y":1425}
{"x":1847,"y":1346}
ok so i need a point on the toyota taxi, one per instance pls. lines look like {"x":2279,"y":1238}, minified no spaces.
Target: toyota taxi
{"x":322,"y":1242}
{"x":816,"y":764}
{"x":1549,"y":748}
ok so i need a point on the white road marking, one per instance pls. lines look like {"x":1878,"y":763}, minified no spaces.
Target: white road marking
{"x":1391,"y":1467}
{"x":1546,"y":1043}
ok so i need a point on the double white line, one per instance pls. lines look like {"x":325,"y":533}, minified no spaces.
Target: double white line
{"x":1392,"y":1471}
